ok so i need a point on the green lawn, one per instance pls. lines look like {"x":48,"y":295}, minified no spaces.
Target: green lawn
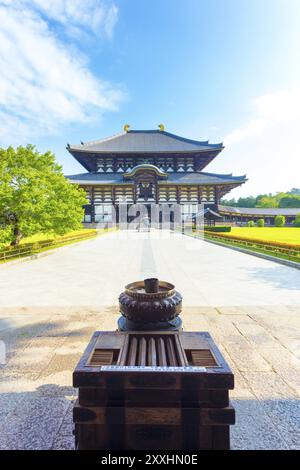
{"x":275,"y":234}
{"x":248,"y":238}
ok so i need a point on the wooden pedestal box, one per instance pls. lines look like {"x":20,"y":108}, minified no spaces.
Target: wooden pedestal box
{"x":152,"y":390}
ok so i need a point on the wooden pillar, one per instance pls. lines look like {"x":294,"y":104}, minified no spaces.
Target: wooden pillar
{"x":176,"y":163}
{"x":95,"y":165}
{"x":177,"y":195}
{"x":156,"y":190}
{"x":92,"y":204}
{"x":115,"y":163}
{"x":216,"y":195}
{"x":116,"y":208}
{"x":199,"y":194}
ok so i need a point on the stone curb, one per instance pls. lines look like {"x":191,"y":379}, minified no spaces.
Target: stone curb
{"x":291,"y":264}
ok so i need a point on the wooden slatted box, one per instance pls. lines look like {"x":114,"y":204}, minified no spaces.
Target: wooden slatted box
{"x":128,"y":380}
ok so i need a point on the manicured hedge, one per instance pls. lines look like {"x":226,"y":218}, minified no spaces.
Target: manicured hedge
{"x":260,"y":223}
{"x":217,"y":228}
{"x":52,"y":241}
{"x":261,"y":242}
{"x":279,"y":221}
{"x":27,"y":249}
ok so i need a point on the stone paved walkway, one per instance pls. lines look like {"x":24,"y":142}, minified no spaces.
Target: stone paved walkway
{"x":93,"y":273}
{"x":45,"y":331}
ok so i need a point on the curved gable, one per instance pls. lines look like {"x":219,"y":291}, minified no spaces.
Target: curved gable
{"x":145,"y":167}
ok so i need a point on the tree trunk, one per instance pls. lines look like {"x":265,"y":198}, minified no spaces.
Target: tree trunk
{"x":17,"y":236}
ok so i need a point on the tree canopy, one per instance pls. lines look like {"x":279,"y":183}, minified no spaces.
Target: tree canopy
{"x":35,"y":196}
{"x":280,"y":199}
{"x":297,"y":220}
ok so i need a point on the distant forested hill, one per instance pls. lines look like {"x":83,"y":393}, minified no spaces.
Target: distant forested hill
{"x":288,"y":199}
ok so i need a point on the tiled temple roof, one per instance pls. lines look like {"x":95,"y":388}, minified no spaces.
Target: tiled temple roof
{"x":172,"y":178}
{"x":258,"y":210}
{"x":143,"y":141}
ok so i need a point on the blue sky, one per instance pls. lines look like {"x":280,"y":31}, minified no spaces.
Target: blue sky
{"x":223,"y":70}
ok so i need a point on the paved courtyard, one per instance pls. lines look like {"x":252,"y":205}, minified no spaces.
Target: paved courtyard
{"x":50,"y":306}
{"x":94,"y":272}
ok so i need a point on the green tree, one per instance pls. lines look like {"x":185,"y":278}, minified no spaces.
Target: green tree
{"x":267,"y":201}
{"x":35,"y":196}
{"x":289,"y":201}
{"x":294,"y":191}
{"x":246,"y":201}
{"x":241,"y":202}
{"x":280,"y":199}
{"x":261,"y":223}
{"x":250,"y":223}
{"x":279,"y":221}
{"x":297,"y":220}
{"x":5,"y":235}
{"x":228,"y":202}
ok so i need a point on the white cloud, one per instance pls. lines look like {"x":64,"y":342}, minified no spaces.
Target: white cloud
{"x":270,"y":110}
{"x":44,"y":82}
{"x":98,"y":16}
{"x":266,"y":146}
{"x":111,"y":20}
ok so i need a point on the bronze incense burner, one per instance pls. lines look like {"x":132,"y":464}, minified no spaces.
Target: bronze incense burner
{"x":150,"y":305}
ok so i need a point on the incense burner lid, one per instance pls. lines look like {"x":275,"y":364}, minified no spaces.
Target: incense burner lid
{"x":150,"y":301}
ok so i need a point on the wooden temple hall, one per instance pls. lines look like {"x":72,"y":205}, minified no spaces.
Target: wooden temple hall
{"x":149,"y":167}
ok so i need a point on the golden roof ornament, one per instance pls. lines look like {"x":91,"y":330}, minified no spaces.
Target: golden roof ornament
{"x":126,"y":127}
{"x":161,"y":127}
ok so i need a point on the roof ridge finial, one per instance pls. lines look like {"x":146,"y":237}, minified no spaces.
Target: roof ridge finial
{"x":161,"y":127}
{"x":126,"y":127}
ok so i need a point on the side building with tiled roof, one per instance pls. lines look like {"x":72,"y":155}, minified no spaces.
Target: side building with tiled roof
{"x":149,"y":167}
{"x":242,"y":215}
